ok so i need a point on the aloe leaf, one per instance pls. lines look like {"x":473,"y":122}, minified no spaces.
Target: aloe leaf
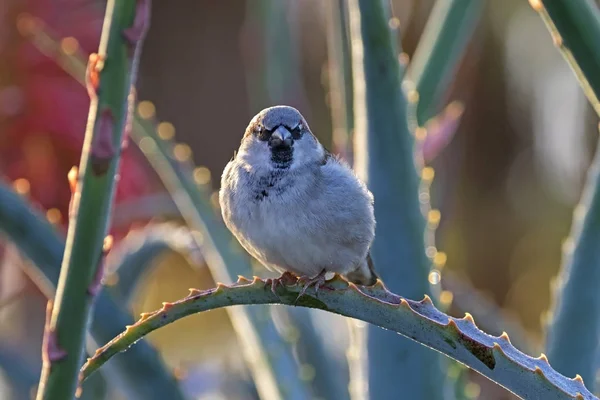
{"x":573,"y":332}
{"x":440,"y":49}
{"x":384,"y":158}
{"x":458,"y":338}
{"x":575,"y":30}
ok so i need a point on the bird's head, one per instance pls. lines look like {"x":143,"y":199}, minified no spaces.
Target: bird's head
{"x":279,"y":137}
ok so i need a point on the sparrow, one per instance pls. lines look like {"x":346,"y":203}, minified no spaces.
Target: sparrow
{"x":296,"y":207}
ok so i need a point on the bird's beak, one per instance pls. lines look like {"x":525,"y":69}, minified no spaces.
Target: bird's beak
{"x":281,"y":137}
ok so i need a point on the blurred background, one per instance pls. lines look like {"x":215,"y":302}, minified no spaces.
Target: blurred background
{"x":506,"y":184}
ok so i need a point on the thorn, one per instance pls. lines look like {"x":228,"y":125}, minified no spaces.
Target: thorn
{"x":72,"y":178}
{"x":536,"y":5}
{"x":404,"y":303}
{"x":103,"y":150}
{"x":538,"y":371}
{"x":108,"y":243}
{"x":166,"y":306}
{"x":379,"y":284}
{"x":255,"y":280}
{"x":220,"y":287}
{"x":194,"y":292}
{"x":452,"y":325}
{"x":498,"y":348}
{"x":242,"y":279}
{"x":504,"y":336}
{"x":353,"y":286}
{"x":426,"y":300}
{"x":469,"y":318}
{"x":144,"y":316}
{"x":578,"y":378}
{"x":92,"y":74}
{"x":139,"y":27}
{"x":51,"y":351}
{"x":79,"y":391}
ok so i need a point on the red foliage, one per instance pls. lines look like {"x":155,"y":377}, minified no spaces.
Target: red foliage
{"x":43,"y":111}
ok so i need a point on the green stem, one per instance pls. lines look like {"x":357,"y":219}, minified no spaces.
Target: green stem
{"x":114,"y":71}
{"x":440,"y":49}
{"x":458,"y":338}
{"x":575,"y":29}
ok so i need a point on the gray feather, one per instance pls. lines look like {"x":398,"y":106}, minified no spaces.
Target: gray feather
{"x":301,"y":216}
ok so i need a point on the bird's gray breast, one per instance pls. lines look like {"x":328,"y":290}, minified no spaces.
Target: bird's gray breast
{"x":272,"y":220}
{"x":272,"y":184}
{"x":301,"y":220}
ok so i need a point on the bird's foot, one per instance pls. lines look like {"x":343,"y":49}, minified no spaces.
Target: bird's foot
{"x":318,"y":281}
{"x":285,"y":278}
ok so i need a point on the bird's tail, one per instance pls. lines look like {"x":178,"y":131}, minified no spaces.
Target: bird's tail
{"x":365,"y":273}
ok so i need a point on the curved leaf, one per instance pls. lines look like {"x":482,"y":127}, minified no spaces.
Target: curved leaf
{"x":459,"y":338}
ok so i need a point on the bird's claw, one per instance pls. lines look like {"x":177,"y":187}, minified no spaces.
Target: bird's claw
{"x":318,"y":281}
{"x":286,"y":277}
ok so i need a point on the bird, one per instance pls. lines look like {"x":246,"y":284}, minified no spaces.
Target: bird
{"x":294,"y":206}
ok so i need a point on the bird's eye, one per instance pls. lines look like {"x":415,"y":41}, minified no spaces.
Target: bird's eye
{"x":262,"y":133}
{"x":297,"y":131}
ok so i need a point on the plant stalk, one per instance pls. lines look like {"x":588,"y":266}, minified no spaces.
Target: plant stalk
{"x":111,"y":74}
{"x":459,"y":338}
